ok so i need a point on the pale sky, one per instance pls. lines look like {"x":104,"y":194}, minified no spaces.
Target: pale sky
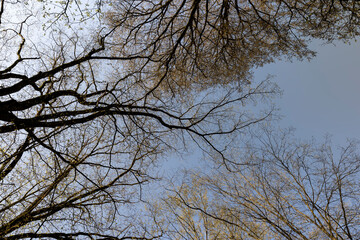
{"x":321,"y":96}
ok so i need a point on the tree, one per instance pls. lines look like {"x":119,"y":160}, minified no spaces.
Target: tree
{"x":283,"y":189}
{"x":90,"y":100}
{"x":80,"y":132}
{"x":186,"y":44}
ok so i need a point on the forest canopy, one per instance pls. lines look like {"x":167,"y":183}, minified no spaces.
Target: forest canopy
{"x":94,"y":94}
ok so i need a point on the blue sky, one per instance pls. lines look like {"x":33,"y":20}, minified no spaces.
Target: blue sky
{"x":321,"y":96}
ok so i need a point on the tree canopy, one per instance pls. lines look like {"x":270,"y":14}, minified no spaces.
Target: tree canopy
{"x":288,"y":190}
{"x":94,"y":92}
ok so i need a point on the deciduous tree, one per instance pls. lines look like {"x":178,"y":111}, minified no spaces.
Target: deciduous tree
{"x":281,"y":189}
{"x":92,"y":93}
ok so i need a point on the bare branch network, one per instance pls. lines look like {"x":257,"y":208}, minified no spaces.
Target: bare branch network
{"x":92,"y":93}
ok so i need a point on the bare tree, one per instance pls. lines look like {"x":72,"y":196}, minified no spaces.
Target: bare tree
{"x":186,"y":44}
{"x":80,"y":130}
{"x":89,"y":100}
{"x":286,"y":190}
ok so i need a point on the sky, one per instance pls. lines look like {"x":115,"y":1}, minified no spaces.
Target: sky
{"x":322,"y":96}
